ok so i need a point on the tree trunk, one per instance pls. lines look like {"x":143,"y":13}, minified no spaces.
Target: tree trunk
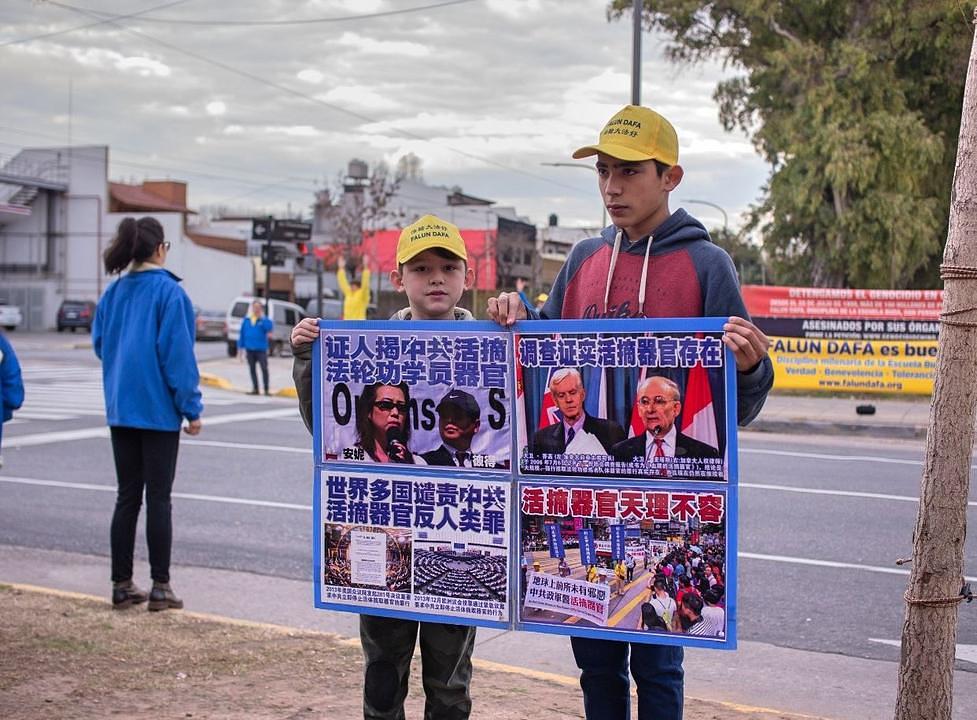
{"x":930,"y":630}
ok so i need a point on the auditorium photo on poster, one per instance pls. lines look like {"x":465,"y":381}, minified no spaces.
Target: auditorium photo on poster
{"x":413,"y":545}
{"x":627,"y":561}
{"x":412,"y":395}
{"x":624,"y":403}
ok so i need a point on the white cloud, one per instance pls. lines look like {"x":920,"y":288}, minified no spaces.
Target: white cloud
{"x":216,"y":108}
{"x":361,"y":96}
{"x":383,"y":47}
{"x":310,"y":75}
{"x":292,"y":130}
{"x":514,"y":9}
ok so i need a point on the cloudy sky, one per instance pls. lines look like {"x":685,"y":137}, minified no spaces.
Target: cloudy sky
{"x":258,"y":115}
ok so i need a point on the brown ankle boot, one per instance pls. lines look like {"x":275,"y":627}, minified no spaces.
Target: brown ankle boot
{"x":126,"y":594}
{"x":161,"y":597}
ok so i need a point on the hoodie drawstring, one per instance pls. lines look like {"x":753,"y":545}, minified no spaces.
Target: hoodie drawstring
{"x":644,"y":272}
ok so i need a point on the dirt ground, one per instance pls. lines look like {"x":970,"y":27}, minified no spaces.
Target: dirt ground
{"x":69,"y":657}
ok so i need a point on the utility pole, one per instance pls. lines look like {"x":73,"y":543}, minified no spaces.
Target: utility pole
{"x":636,"y":52}
{"x":268,"y":258}
{"x":936,"y":583}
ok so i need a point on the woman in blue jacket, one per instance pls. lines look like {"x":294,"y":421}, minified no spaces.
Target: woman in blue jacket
{"x":143,"y":333}
{"x":11,"y":385}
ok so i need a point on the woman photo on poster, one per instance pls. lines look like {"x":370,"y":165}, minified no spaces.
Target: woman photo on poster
{"x":382,"y":429}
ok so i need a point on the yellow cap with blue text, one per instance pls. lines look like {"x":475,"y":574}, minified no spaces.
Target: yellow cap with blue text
{"x":427,"y":233}
{"x":635,"y":134}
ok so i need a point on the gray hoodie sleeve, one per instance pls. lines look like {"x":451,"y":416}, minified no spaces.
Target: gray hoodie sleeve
{"x":722,"y":297}
{"x":302,"y":377}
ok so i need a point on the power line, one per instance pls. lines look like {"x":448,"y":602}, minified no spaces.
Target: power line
{"x":93,"y":24}
{"x":336,"y":108}
{"x":268,"y":23}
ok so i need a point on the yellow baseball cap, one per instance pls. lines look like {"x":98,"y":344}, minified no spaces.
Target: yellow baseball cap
{"x":430,"y":232}
{"x":634,"y":134}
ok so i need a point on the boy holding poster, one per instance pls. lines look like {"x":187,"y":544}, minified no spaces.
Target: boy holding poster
{"x":650,"y":263}
{"x":432,"y":270}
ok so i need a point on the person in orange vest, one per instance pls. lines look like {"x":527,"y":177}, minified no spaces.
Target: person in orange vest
{"x":356,"y":292}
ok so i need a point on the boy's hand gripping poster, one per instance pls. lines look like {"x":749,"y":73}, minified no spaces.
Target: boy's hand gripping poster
{"x":568,"y":477}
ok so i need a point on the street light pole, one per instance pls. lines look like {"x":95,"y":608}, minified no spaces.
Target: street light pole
{"x":591,"y":168}
{"x":713,"y":205}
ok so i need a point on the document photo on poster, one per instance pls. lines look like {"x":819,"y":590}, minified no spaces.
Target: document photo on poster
{"x":626,"y":561}
{"x":407,"y":395}
{"x":618,"y":404}
{"x":416,"y":546}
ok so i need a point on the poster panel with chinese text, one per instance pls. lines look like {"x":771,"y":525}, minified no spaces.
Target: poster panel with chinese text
{"x":601,"y":559}
{"x":423,"y":393}
{"x":633,"y":398}
{"x":417,"y":546}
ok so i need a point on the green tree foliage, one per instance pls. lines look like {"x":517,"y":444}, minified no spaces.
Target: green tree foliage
{"x":855,"y":104}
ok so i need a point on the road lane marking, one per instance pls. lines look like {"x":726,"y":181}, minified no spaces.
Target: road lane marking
{"x":845,"y":458}
{"x":843,"y":493}
{"x":967,"y":653}
{"x":185,"y":496}
{"x":246,"y":446}
{"x":50,"y":438}
{"x":829,"y":564}
{"x":294,"y":506}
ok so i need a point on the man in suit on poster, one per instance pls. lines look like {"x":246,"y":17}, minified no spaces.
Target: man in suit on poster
{"x":458,"y":421}
{"x":566,"y":387}
{"x":659,"y":403}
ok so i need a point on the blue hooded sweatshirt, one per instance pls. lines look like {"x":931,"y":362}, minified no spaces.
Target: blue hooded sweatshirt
{"x":143,"y":333}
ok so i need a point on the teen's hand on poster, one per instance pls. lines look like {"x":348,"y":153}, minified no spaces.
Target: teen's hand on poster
{"x":747,"y":341}
{"x":305,"y":332}
{"x":506,"y":309}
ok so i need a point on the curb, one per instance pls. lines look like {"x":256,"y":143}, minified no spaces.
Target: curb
{"x":823,"y":427}
{"x":212,"y":380}
{"x":541,"y":675}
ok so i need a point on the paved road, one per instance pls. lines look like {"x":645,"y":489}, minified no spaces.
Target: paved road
{"x":821,"y":519}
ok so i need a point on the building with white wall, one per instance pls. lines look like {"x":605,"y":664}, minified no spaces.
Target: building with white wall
{"x":58,"y":212}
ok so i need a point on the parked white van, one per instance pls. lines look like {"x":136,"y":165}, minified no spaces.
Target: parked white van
{"x":284,"y":314}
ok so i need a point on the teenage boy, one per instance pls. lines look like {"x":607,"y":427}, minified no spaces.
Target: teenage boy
{"x":432,"y":270}
{"x":650,"y":263}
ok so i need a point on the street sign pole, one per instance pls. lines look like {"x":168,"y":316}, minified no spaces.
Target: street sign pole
{"x":268,"y":259}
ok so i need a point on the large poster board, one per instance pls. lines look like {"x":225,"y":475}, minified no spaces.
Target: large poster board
{"x":849,"y":339}
{"x":596,"y":458}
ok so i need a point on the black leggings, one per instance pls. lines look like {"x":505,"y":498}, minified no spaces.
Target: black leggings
{"x":143,"y":459}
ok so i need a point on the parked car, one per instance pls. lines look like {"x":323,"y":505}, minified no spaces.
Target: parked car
{"x":74,"y":314}
{"x":10,"y":316}
{"x":284,"y":314}
{"x":211,"y":324}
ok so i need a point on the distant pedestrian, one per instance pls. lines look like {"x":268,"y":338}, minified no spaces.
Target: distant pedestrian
{"x":11,"y":385}
{"x":256,"y":331}
{"x":356,"y":291}
{"x":629,"y":566}
{"x":143,"y":333}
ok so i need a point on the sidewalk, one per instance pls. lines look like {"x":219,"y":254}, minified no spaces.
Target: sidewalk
{"x":897,"y":418}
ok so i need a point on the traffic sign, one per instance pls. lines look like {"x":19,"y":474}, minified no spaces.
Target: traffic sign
{"x":261,"y":228}
{"x":277,"y":253}
{"x":291,"y":231}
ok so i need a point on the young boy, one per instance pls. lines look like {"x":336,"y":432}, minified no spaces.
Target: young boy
{"x":432,"y":269}
{"x":649,"y":263}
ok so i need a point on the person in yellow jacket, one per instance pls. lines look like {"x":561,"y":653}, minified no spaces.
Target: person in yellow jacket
{"x":356,"y":294}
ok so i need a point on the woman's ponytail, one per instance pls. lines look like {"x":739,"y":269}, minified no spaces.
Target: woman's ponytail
{"x":134,"y":241}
